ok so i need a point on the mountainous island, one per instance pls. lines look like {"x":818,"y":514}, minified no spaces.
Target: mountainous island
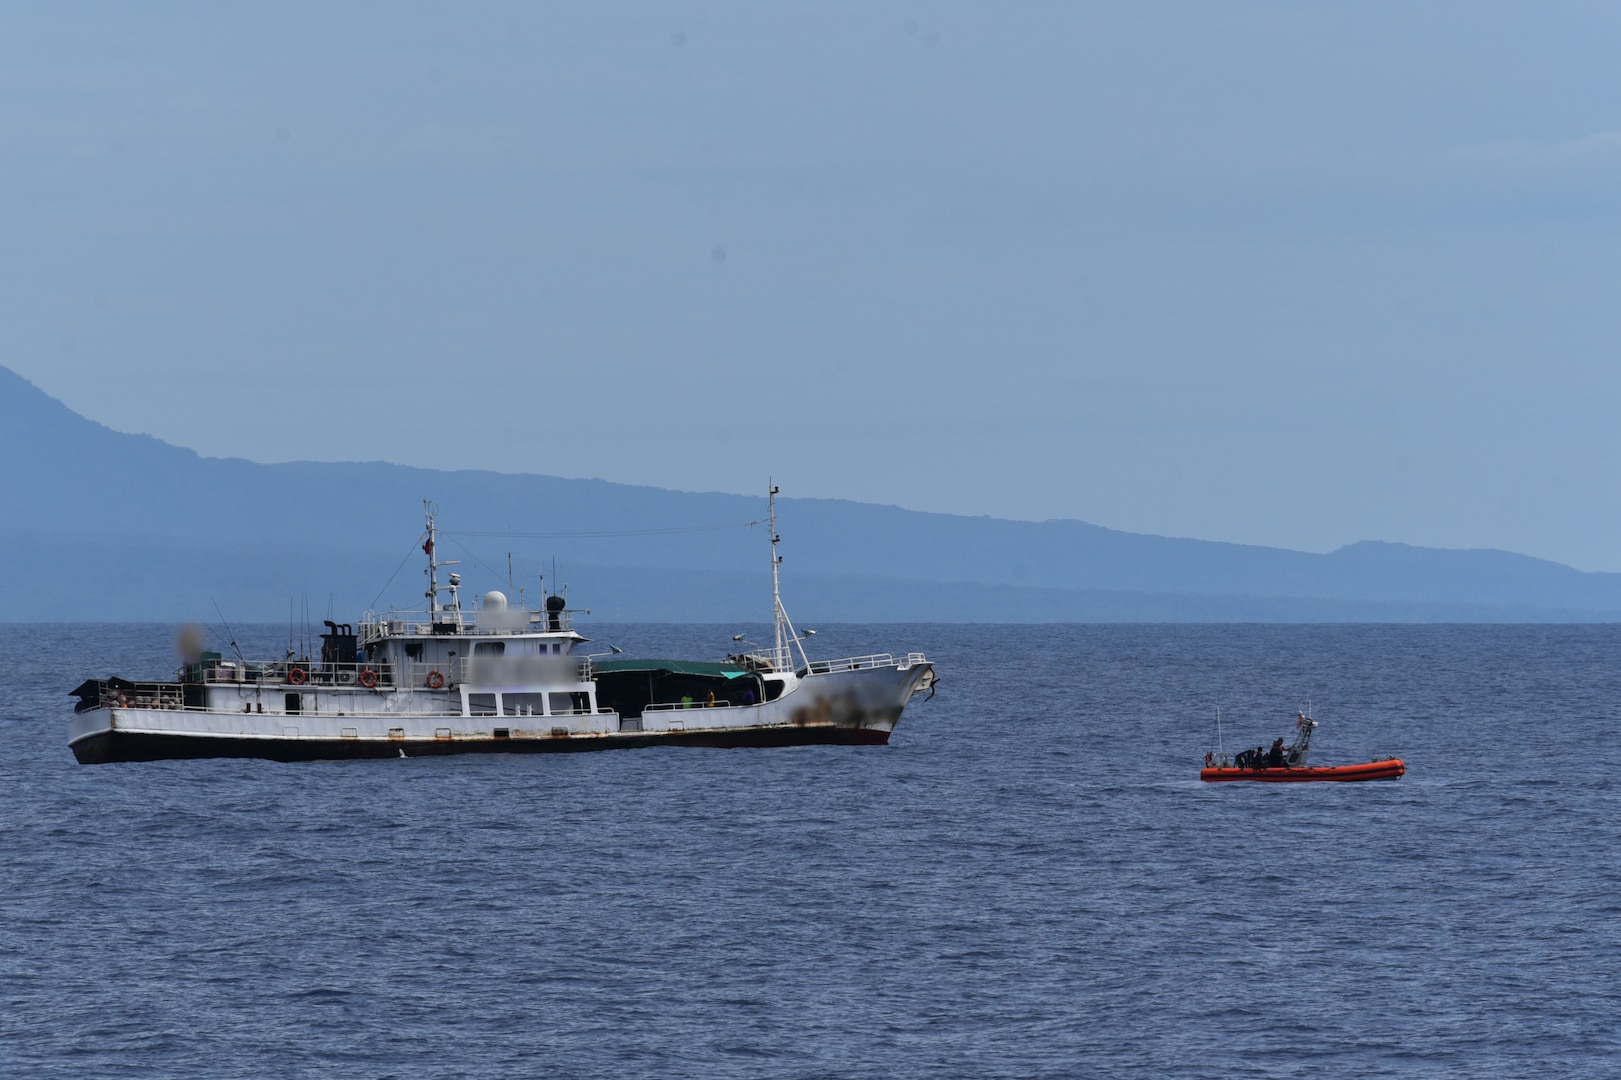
{"x":99,"y":525}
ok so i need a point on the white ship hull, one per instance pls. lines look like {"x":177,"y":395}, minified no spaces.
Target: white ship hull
{"x":858,"y":703}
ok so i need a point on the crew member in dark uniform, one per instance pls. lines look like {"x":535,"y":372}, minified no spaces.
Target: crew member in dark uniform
{"x":1274,"y":756}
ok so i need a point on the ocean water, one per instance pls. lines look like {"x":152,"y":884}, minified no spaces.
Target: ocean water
{"x":1029,"y":881}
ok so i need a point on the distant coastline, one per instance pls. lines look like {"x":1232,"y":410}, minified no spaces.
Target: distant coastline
{"x":106,"y":526}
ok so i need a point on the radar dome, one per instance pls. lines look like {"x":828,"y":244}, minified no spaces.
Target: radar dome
{"x":495,"y":601}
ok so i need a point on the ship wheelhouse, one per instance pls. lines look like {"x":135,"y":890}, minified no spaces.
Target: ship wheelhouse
{"x":502,"y":662}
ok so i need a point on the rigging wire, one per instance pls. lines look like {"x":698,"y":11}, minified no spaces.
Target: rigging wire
{"x":414,"y":546}
{"x":231,"y":634}
{"x":603,"y":534}
{"x":469,"y":553}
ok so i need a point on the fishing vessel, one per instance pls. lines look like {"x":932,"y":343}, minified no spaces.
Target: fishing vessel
{"x":1288,"y":764}
{"x":492,"y":678}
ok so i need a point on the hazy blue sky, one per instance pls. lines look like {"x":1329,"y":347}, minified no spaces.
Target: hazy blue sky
{"x":1285,"y":273}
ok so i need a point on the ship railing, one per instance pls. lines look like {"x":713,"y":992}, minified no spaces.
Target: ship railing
{"x":542,"y":672}
{"x":764,"y":661}
{"x":560,"y":712}
{"x":375,"y":625}
{"x":864,"y":663}
{"x":427,"y":675}
{"x":314,"y":672}
{"x":140,"y":695}
{"x":588,"y":667}
{"x":682,"y":706}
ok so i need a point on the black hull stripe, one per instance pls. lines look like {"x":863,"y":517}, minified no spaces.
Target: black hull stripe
{"x":112,"y":746}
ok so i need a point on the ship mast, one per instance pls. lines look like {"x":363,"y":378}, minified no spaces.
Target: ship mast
{"x":429,"y":510}
{"x":431,"y":550}
{"x":777,"y":614}
{"x":786,"y":636}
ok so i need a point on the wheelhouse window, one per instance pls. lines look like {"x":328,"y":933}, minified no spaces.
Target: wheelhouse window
{"x":490,"y":648}
{"x":523,"y":704}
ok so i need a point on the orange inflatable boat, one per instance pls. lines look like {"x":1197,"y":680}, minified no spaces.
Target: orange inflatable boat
{"x":1287,"y":764}
{"x":1389,"y":769}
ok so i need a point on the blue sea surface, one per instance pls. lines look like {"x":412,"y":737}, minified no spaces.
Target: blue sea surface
{"x":1030,"y":880}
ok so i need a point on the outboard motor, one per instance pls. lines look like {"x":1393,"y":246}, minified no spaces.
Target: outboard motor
{"x":554,"y":612}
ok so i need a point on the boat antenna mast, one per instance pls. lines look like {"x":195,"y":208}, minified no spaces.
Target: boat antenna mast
{"x":1301,"y":747}
{"x":786,"y":636}
{"x":430,"y":548}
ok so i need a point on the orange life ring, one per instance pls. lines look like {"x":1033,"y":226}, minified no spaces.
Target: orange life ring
{"x":297,"y":676}
{"x":368,"y":678}
{"x":435,"y":680}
